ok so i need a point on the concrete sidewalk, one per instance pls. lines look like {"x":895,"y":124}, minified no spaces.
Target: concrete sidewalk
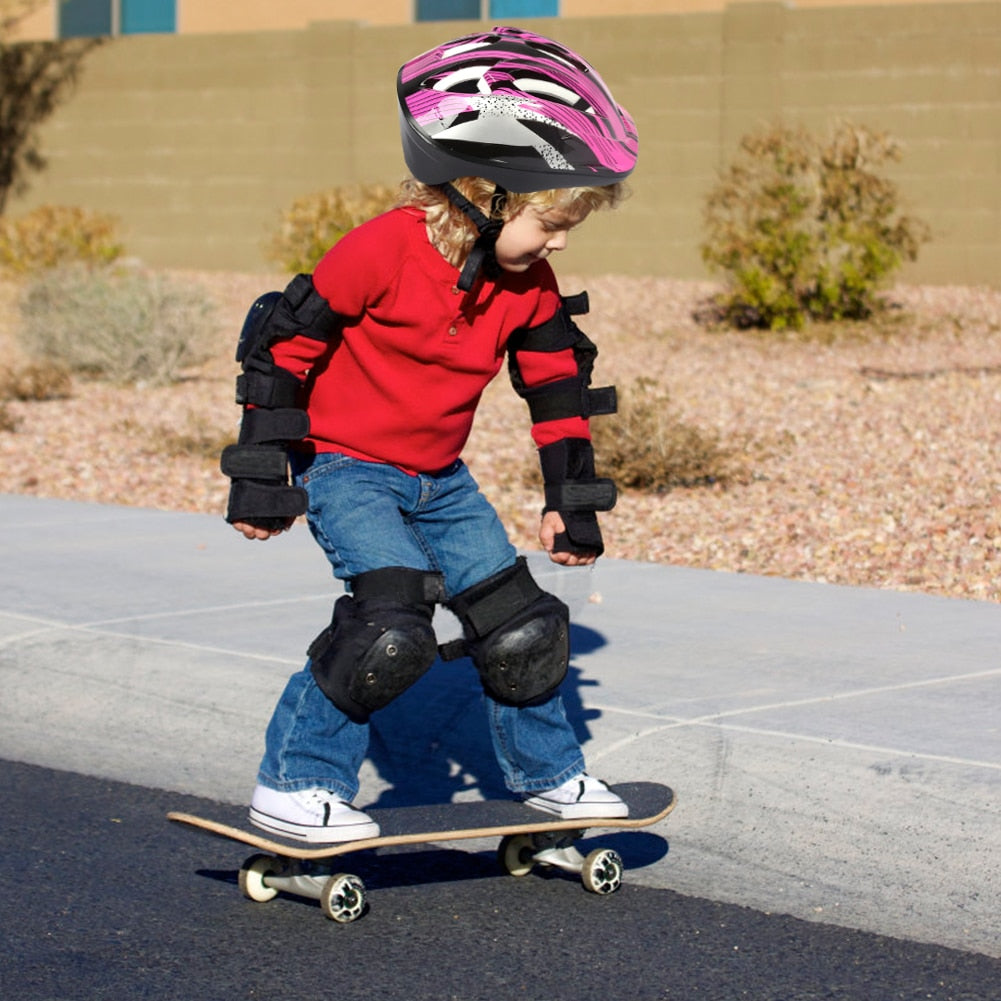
{"x":836,"y":751}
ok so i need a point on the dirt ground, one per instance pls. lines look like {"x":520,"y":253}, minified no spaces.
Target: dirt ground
{"x":874,"y":459}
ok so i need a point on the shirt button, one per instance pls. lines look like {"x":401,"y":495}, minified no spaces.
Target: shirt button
{"x":452,"y":331}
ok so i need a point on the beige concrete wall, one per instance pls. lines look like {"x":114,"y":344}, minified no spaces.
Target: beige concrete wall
{"x":213,"y":16}
{"x":37,"y":21}
{"x":199,"y":16}
{"x":599,"y":8}
{"x":197,"y":142}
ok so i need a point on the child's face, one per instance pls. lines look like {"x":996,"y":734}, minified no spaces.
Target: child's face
{"x":532,"y":235}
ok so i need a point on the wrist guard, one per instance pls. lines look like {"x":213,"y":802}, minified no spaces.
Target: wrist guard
{"x":576,"y":493}
{"x":258,"y":467}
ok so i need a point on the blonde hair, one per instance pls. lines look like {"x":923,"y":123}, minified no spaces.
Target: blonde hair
{"x":453,"y":233}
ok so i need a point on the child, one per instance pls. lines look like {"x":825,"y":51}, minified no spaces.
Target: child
{"x":365,"y":377}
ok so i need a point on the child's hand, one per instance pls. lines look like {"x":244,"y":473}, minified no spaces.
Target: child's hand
{"x":552,"y":525}
{"x":252,"y":531}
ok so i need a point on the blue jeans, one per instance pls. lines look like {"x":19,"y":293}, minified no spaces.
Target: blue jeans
{"x":367,"y":516}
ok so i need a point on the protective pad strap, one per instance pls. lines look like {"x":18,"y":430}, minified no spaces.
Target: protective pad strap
{"x":259,"y":503}
{"x":559,"y":331}
{"x":272,"y":389}
{"x":569,"y":398}
{"x":556,"y":334}
{"x":255,"y":462}
{"x":311,"y":313}
{"x":485,"y":606}
{"x":285,"y":424}
{"x":582,"y":495}
{"x":403,"y":584}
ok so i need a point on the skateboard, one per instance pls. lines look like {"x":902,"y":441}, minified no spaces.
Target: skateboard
{"x":527,"y":839}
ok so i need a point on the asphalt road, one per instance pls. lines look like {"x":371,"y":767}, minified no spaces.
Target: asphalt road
{"x":102,"y":898}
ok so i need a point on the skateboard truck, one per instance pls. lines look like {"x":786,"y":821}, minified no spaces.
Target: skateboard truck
{"x":341,"y":895}
{"x":600,"y":870}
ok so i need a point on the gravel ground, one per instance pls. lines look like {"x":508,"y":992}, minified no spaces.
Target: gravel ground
{"x":873,"y":460}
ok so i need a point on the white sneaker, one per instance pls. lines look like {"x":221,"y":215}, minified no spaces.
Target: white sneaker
{"x":582,"y":797}
{"x":314,"y":815}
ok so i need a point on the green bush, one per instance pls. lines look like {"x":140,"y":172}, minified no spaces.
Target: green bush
{"x":807,"y":230}
{"x":314,"y":223}
{"x":52,"y":235}
{"x":645,"y":446}
{"x":119,"y":324}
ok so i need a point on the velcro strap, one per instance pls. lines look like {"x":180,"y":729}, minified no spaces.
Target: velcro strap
{"x":555,"y":334}
{"x":568,"y":398}
{"x":582,"y":535}
{"x":484,"y":607}
{"x":403,"y":584}
{"x":453,"y":649}
{"x":558,"y":332}
{"x":260,"y":389}
{"x":287,"y":424}
{"x":581,"y":495}
{"x":310,"y":313}
{"x":258,"y":462}
{"x":249,"y":501}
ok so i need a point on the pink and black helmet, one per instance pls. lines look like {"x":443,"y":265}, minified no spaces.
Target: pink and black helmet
{"x":516,"y":108}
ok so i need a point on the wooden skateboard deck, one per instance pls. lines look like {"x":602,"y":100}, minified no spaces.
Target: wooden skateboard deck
{"x":528,"y":837}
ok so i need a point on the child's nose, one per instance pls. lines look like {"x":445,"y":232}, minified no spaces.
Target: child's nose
{"x":557,"y":241}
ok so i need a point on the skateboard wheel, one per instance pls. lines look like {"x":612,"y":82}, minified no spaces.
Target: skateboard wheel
{"x":343,"y":898}
{"x":252,"y":876}
{"x":602,"y":871}
{"x":515,"y":854}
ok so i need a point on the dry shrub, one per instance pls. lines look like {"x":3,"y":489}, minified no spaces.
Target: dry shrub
{"x":123,"y":325}
{"x":314,"y":223}
{"x":31,"y":383}
{"x":645,"y":446}
{"x":36,"y":382}
{"x":8,"y":422}
{"x":198,"y":440}
{"x":53,"y":235}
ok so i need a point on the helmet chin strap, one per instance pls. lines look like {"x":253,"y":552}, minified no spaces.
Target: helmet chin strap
{"x":482,"y":256}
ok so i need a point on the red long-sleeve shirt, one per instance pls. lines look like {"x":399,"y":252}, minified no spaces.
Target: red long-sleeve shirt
{"x":402,"y":383}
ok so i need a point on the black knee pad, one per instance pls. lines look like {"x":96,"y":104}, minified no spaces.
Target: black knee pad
{"x":517,"y":635}
{"x":380,"y":641}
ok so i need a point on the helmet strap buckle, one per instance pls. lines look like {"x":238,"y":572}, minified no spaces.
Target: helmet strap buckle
{"x":481,"y":256}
